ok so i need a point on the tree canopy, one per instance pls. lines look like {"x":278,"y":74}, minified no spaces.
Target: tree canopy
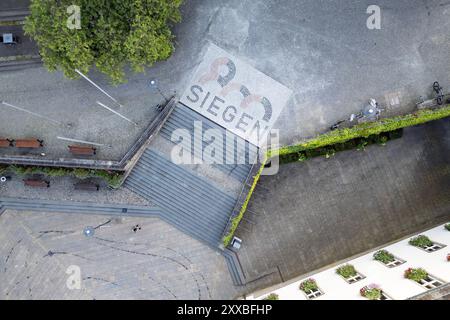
{"x":112,"y":34}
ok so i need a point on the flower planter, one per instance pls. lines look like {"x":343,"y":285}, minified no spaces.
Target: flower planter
{"x":422,"y":277}
{"x":424,"y":243}
{"x":272,"y":296}
{"x":373,"y":292}
{"x":349,"y":273}
{"x":387,"y":259}
{"x":310,"y":288}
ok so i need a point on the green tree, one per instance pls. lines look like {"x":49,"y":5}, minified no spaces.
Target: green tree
{"x":112,"y":34}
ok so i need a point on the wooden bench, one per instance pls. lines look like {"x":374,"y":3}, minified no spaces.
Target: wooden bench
{"x":5,"y":143}
{"x":29,"y":143}
{"x":81,"y":150}
{"x":87,"y":186}
{"x":37,"y":183}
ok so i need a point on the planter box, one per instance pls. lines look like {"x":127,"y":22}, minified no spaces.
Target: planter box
{"x":312,"y":294}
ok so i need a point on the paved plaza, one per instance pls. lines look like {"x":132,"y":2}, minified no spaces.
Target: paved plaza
{"x":155,"y":262}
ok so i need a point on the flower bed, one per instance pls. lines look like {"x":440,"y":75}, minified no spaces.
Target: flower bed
{"x":421,"y":241}
{"x":417,"y":274}
{"x":272,"y":296}
{"x":308,"y":285}
{"x":371,"y":292}
{"x":346,"y":271}
{"x":113,"y":179}
{"x":383,"y":256}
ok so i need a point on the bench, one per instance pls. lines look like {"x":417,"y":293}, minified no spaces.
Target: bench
{"x":80,"y":150}
{"x":29,"y":143}
{"x":37,"y":183}
{"x":87,"y":186}
{"x":5,"y":143}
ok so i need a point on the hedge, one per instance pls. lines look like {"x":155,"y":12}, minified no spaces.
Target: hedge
{"x":235,"y":221}
{"x":363,"y":130}
{"x":113,"y":179}
{"x":329,"y":151}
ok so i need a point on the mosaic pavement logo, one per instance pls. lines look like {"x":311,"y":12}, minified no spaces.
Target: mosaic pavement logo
{"x":236,"y":96}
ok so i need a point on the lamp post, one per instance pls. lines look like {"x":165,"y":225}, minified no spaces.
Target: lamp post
{"x":154,"y":86}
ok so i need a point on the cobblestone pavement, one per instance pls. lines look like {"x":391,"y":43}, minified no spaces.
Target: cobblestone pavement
{"x":316,"y":213}
{"x":155,"y":262}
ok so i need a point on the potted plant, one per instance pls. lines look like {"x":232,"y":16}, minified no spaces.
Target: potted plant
{"x":272,"y":296}
{"x":421,"y":241}
{"x":309,"y":285}
{"x":371,"y":292}
{"x":416,"y":274}
{"x":383,"y":256}
{"x":346,"y":271}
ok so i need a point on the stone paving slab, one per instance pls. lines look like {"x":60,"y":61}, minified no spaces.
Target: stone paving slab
{"x":156,"y":262}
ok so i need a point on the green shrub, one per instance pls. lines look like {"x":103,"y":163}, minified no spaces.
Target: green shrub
{"x":382,"y":140}
{"x":447,"y":226}
{"x":416,"y":274}
{"x":421,"y":241}
{"x":383,"y":256}
{"x":302,"y":157}
{"x":346,"y":271}
{"x":329,"y":151}
{"x":113,"y":179}
{"x":272,"y":296}
{"x":308,"y":285}
{"x":362,"y":145}
{"x":235,"y":222}
{"x":81,"y":173}
{"x":366,"y":129}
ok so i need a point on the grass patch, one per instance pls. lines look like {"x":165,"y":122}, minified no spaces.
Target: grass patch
{"x":113,"y":179}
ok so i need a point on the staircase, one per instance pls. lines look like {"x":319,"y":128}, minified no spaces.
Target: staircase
{"x":183,"y":118}
{"x":186,"y":198}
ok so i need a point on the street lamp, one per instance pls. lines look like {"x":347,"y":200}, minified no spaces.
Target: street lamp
{"x":154,"y":86}
{"x":89,"y":231}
